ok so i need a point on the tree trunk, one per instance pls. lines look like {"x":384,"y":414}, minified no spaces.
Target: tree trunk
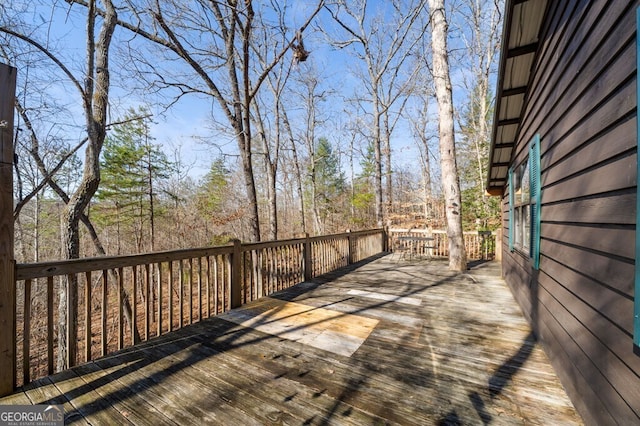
{"x":378,"y":163}
{"x":298,"y":171}
{"x":270,"y":165}
{"x":450,"y":181}
{"x":388,"y":167}
{"x":95,"y":100}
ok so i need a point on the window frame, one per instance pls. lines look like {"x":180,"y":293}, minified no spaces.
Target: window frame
{"x":522,"y":207}
{"x":524,"y":204}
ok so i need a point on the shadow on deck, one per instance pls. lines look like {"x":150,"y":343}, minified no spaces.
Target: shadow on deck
{"x":388,"y":341}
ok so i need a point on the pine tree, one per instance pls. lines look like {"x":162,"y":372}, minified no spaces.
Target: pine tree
{"x":131,"y":166}
{"x":327,"y":183}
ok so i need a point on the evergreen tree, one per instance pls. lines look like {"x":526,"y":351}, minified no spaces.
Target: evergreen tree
{"x":131,"y":166}
{"x":363,"y":196}
{"x":327,"y":184}
{"x":213,"y":190}
{"x":479,"y":210}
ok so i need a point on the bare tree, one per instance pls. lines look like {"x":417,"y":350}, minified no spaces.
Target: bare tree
{"x":419,"y":120}
{"x":208,"y":48}
{"x":382,"y":43}
{"x":450,"y":181}
{"x":94,"y":93}
{"x":297,"y":170}
{"x":269,"y":40}
{"x":482,"y":22}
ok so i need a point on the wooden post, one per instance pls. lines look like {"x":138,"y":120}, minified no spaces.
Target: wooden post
{"x":352,"y":248}
{"x":308,"y":273}
{"x":7,"y":261}
{"x":385,"y":239}
{"x":236,"y":275}
{"x":498,"y":248}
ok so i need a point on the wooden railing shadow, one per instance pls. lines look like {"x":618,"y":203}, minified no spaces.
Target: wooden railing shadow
{"x":204,"y":340}
{"x":167,"y":290}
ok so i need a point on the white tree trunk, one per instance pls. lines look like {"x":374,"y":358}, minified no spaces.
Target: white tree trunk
{"x":450,"y":181}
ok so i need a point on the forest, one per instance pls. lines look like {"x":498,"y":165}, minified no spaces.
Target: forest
{"x":147,"y":125}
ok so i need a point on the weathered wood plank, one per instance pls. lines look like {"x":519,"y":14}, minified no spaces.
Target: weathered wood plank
{"x":462,"y":353}
{"x":86,"y":401}
{"x":17,"y":398}
{"x":44,"y":391}
{"x":140,"y":409}
{"x":216,"y":372}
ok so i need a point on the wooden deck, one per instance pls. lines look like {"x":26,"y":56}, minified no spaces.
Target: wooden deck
{"x":386,"y":342}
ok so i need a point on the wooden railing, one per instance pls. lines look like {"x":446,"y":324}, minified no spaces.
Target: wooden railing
{"x":119,"y":301}
{"x":478,"y":245}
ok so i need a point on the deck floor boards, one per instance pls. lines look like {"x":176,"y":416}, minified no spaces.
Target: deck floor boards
{"x":385,"y":342}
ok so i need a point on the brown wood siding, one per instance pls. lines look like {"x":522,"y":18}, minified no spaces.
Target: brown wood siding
{"x":582,"y":102}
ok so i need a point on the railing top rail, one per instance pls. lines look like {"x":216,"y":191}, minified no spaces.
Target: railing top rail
{"x":294,"y":241}
{"x":26,"y":271}
{"x":74,"y":266}
{"x":429,"y":231}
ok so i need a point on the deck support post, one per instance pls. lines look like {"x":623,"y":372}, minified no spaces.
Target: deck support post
{"x":308,"y":273}
{"x":7,"y":261}
{"x":235,"y":297}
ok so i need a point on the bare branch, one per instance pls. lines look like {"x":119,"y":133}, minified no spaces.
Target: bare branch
{"x":46,"y":52}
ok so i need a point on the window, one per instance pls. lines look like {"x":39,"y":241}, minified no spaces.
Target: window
{"x":524,"y":204}
{"x":521,"y":207}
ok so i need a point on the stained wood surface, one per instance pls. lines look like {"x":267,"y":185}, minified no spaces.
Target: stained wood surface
{"x":435,"y":348}
{"x":7,"y":260}
{"x":582,"y":101}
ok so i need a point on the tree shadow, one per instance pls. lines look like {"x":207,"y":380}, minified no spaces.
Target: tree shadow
{"x":186,"y":348}
{"x":496,"y":384}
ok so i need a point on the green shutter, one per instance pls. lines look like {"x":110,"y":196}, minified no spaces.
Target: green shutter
{"x":511,"y":214}
{"x":535,"y":191}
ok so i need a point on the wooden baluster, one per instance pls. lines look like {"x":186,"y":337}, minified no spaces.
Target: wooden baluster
{"x":134,"y":304}
{"x":26,"y":333}
{"x":181,"y":294}
{"x":285,"y":267}
{"x":237,"y":276}
{"x":49,"y":325}
{"x":274,"y":282}
{"x":190,"y":285}
{"x":190,"y":291}
{"x":275,"y":268}
{"x":216,"y":283}
{"x":87,"y":317}
{"x":226,"y":290}
{"x":147,"y":300}
{"x":199,"y":283}
{"x":159,"y":322}
{"x":170,"y":295}
{"x":221,"y":262}
{"x":72,"y":315}
{"x":103,"y":311}
{"x":207,"y":283}
{"x":120,"y":289}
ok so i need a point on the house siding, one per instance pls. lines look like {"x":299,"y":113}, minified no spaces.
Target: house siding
{"x":582,"y":102}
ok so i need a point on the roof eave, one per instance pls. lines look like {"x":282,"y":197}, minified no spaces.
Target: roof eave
{"x":519,"y":55}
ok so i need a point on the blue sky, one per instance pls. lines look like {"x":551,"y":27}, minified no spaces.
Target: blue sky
{"x":188,"y":122}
